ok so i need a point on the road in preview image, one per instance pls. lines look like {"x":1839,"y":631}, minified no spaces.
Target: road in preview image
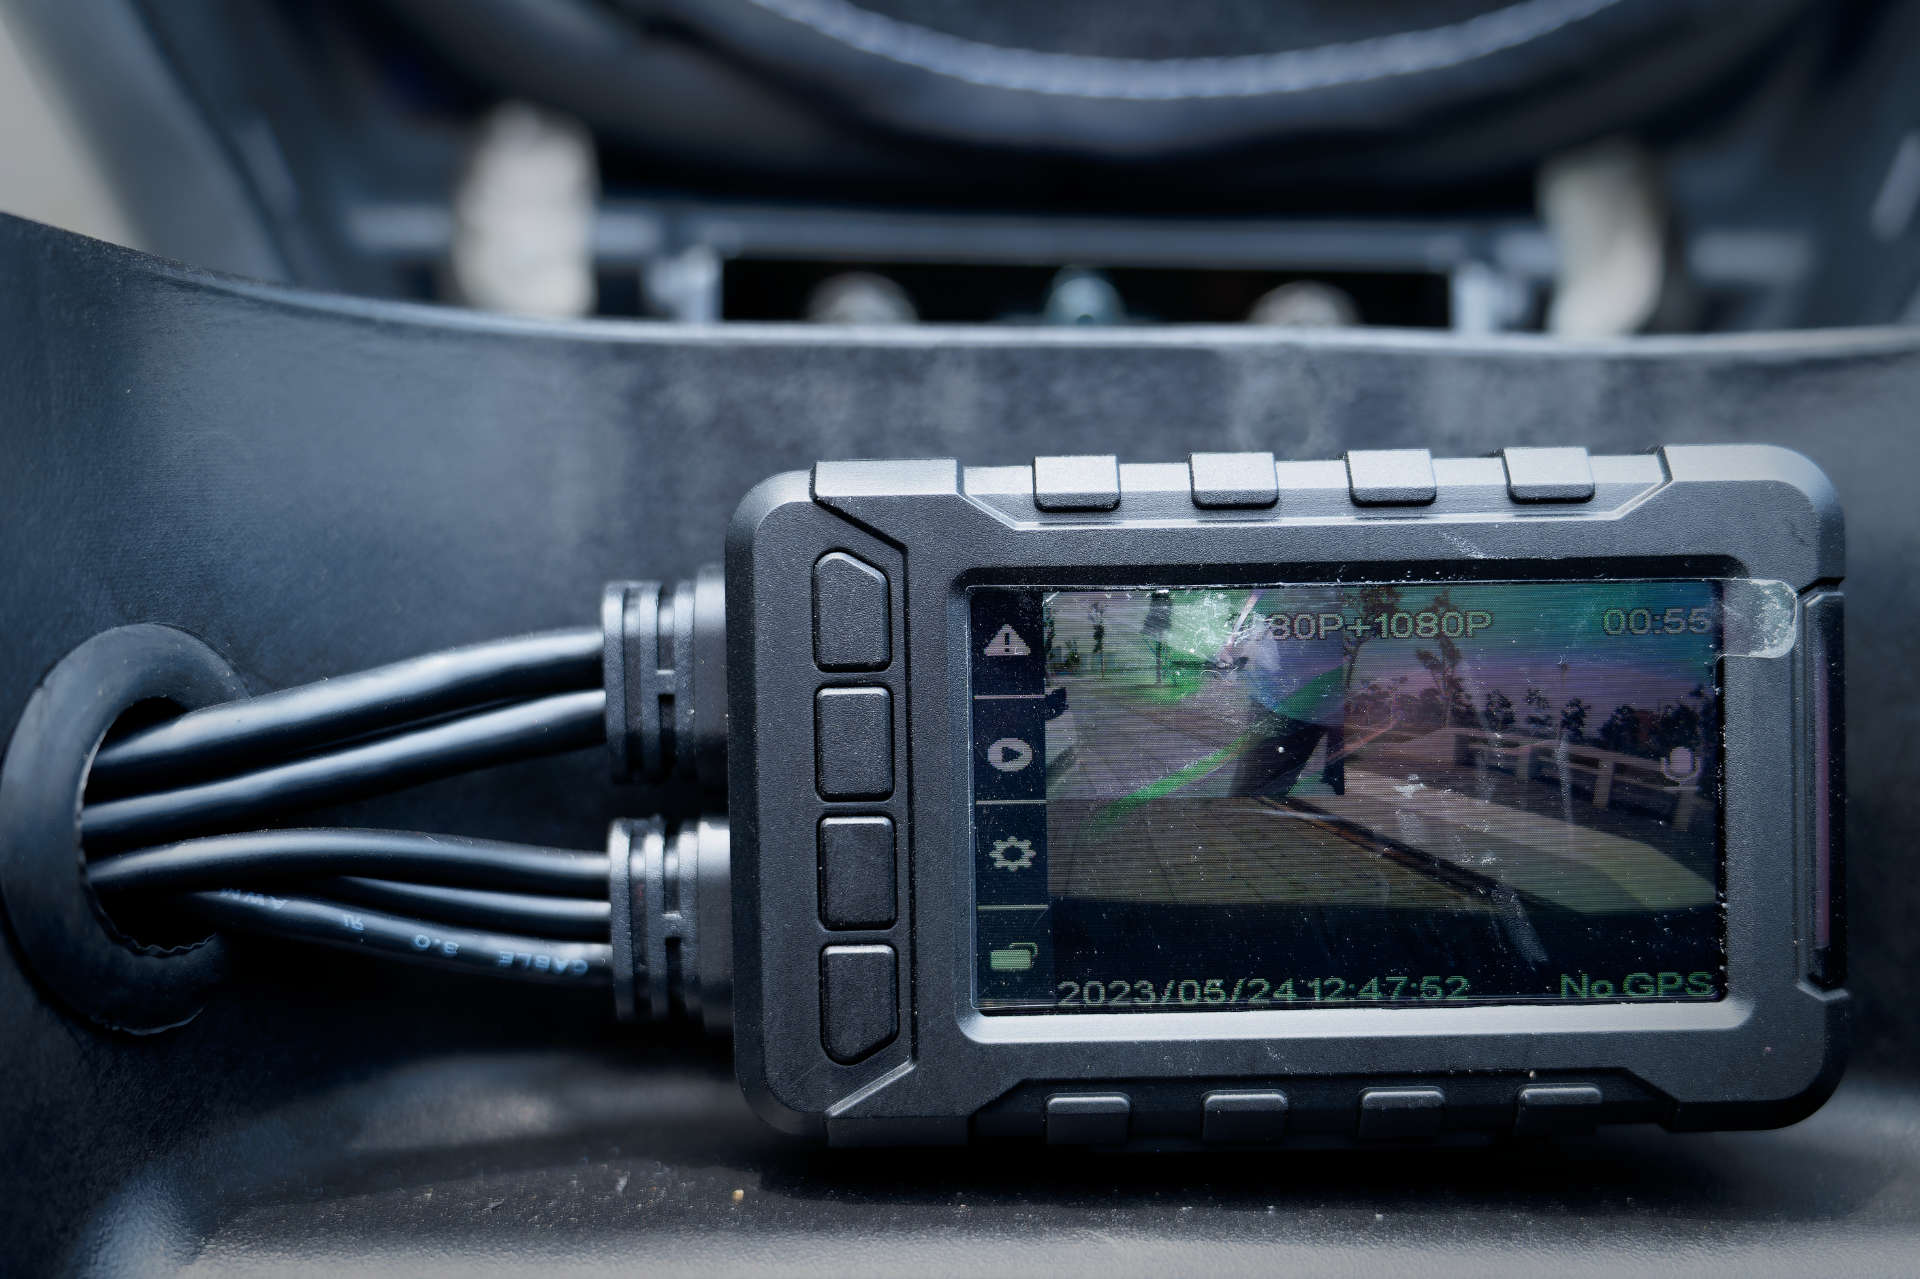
{"x":1346,"y":794}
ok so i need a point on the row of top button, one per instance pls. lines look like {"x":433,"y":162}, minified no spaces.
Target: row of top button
{"x":1385,"y":1114}
{"x":1375,"y":477}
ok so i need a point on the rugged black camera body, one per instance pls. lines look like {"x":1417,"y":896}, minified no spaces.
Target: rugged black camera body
{"x":1386,"y":798}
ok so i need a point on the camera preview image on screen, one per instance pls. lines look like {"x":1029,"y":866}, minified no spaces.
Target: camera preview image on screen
{"x":1348,"y":794}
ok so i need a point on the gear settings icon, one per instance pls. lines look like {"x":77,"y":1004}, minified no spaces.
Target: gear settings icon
{"x":1011,"y":853}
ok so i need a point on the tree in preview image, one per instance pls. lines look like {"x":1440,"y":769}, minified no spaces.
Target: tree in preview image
{"x":1442,"y":664}
{"x":1539,"y":713}
{"x":1573,"y":720}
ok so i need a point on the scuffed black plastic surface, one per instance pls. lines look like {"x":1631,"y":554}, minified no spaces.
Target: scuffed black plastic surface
{"x":316,"y":485}
{"x":557,"y":1164}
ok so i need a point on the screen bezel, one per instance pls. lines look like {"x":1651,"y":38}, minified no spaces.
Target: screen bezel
{"x":1742,"y":680}
{"x":1407,"y":578}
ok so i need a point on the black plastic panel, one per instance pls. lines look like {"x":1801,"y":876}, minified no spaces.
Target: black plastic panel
{"x":315,"y":486}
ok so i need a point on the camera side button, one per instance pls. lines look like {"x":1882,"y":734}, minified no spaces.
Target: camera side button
{"x":1399,"y":1114}
{"x":859,"y":994}
{"x":1557,"y":1110}
{"x":1086,"y":483}
{"x":853,"y":742}
{"x":1818,"y":694}
{"x":1229,"y":480}
{"x":851,"y":628}
{"x":1391,"y":477}
{"x":1243,"y":1116}
{"x":1548,"y":474}
{"x":856,"y":872}
{"x":1088,"y":1119}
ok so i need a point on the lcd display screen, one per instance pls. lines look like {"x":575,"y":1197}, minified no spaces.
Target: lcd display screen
{"x":1356,"y":794}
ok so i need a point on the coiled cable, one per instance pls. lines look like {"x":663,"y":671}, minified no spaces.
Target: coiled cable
{"x":546,"y":726}
{"x":536,"y":959}
{"x":279,"y":725}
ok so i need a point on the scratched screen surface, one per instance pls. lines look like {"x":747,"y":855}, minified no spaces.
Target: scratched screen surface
{"x":1353,"y":794}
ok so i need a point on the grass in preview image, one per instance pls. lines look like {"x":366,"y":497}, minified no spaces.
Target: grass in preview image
{"x":1455,"y":730}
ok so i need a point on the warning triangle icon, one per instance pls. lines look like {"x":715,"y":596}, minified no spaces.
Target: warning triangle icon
{"x":1007,"y":643}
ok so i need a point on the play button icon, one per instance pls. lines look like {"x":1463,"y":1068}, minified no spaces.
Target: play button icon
{"x":1009,"y":754}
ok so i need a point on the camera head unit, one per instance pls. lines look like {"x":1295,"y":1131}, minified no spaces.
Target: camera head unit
{"x":1233,"y":800}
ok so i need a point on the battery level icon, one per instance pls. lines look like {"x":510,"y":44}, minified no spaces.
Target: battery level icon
{"x":1017,"y":958}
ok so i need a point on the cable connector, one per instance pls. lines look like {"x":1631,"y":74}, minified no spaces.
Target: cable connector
{"x":665,"y":671}
{"x":672,"y":921}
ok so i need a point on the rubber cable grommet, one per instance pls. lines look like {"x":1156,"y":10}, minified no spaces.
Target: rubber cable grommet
{"x":67,"y":939}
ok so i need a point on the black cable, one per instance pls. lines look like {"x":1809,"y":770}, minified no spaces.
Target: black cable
{"x":253,"y":857}
{"x":567,"y":721}
{"x":392,"y":936}
{"x":295,"y":720}
{"x":558,"y":918}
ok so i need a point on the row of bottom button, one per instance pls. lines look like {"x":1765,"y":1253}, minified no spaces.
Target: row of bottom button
{"x":1386,"y":1114}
